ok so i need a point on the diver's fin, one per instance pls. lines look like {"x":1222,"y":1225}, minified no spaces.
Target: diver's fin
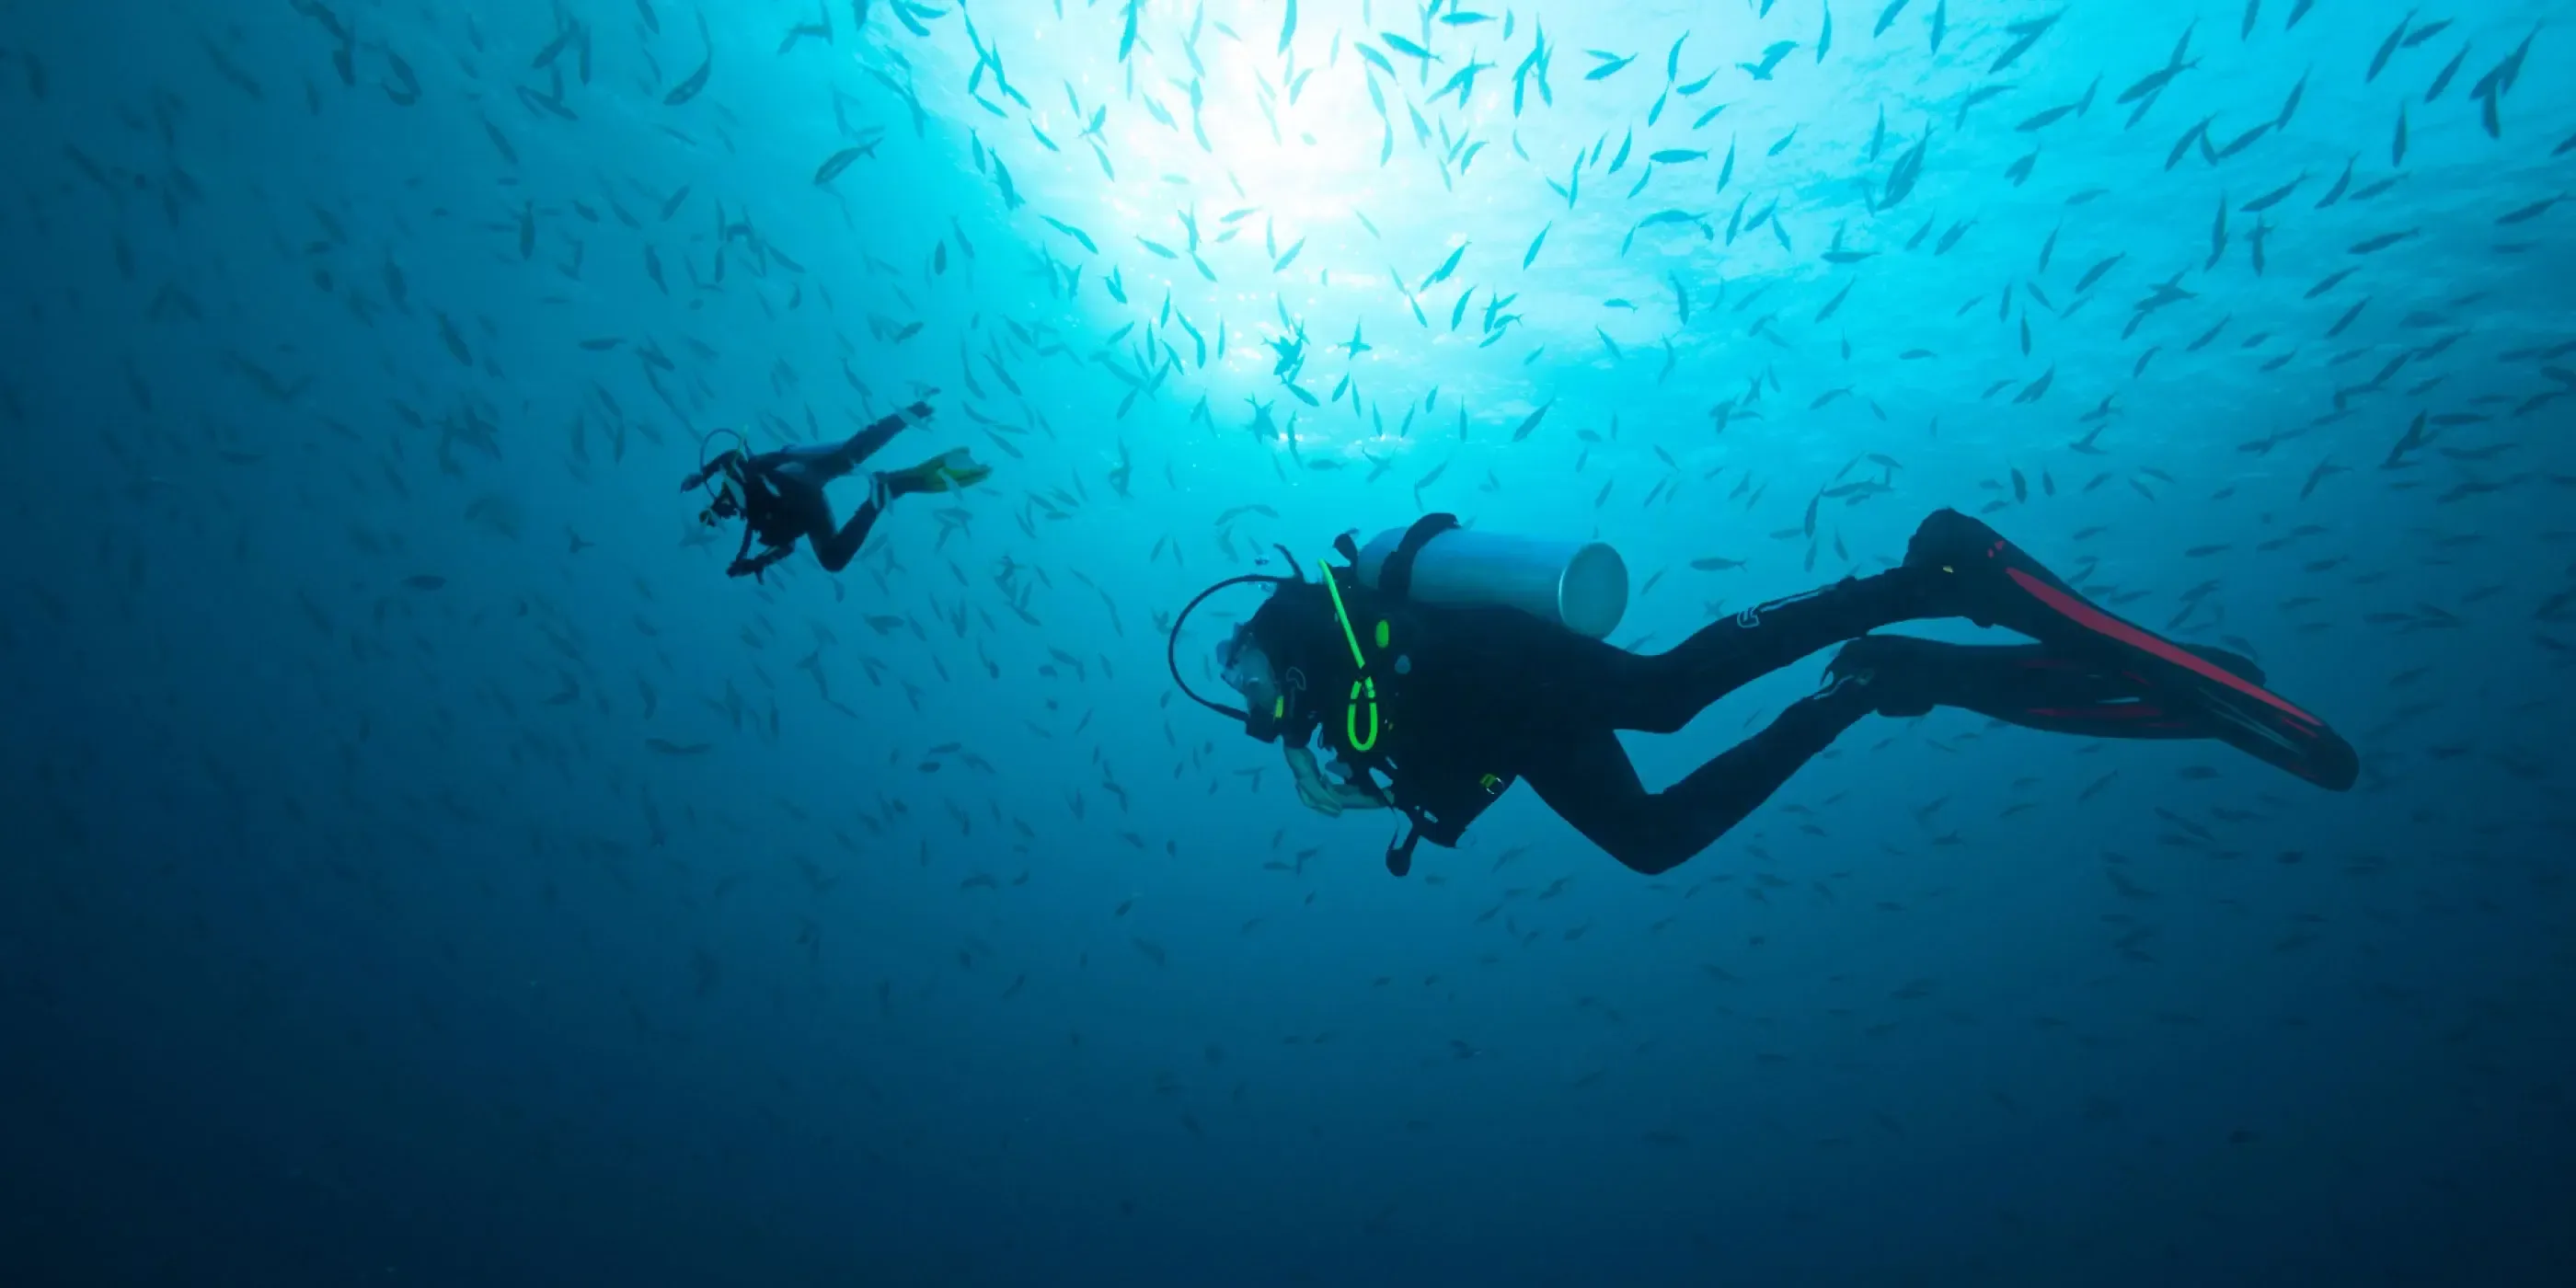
{"x":946,"y":472}
{"x":1993,"y":582}
{"x":2057,"y":690}
{"x":2236,"y":664}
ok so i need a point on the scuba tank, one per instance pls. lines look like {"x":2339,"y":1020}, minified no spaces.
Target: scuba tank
{"x":1435,"y":563}
{"x":1579,"y":585}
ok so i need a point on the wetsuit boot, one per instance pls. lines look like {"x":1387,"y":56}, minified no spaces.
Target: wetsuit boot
{"x":1977,"y":574}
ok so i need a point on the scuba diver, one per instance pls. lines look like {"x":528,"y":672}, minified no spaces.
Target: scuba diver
{"x":779,"y":494}
{"x":1442,"y":665}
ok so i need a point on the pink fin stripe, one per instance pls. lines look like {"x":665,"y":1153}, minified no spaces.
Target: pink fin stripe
{"x":2101,"y":623}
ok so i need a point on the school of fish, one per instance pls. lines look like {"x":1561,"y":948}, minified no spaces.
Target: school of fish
{"x":371,"y":338}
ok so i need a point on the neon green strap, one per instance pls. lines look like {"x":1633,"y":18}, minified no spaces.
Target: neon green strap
{"x":1351,"y":716}
{"x":1351,"y":712}
{"x":1342,"y":615}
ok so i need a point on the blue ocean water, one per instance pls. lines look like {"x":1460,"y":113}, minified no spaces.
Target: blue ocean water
{"x":428,"y":867}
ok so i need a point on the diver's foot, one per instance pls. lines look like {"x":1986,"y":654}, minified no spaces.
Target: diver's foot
{"x":1899,"y":674}
{"x":1959,"y":557}
{"x":946,"y":472}
{"x":2027,"y":684}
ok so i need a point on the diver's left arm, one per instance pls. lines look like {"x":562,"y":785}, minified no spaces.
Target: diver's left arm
{"x":699,"y":479}
{"x":754,"y":565}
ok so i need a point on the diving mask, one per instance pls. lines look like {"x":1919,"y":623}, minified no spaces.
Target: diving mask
{"x":728,"y":502}
{"x":1267,"y":701}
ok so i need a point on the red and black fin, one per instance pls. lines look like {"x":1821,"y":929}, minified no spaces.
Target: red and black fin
{"x":1999,"y":584}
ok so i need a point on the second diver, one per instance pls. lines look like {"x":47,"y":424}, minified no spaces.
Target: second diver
{"x":779,"y":495}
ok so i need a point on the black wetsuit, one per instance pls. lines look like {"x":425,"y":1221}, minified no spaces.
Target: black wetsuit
{"x":1442,"y":709}
{"x":783,"y":497}
{"x":1493,"y":694}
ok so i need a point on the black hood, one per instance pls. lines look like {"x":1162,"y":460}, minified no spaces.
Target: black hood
{"x":1296,"y":626}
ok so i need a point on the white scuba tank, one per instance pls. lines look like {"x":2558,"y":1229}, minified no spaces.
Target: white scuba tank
{"x":1579,"y":585}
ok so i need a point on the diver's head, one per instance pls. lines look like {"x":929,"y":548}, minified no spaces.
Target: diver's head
{"x":1265,"y":658}
{"x":1246,"y":668}
{"x":1268,"y":698}
{"x":728,"y":500}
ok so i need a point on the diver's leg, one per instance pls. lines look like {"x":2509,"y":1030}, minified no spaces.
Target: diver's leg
{"x":803,"y":511}
{"x":1954,"y":566}
{"x":1588,"y":780}
{"x":865,"y":443}
{"x":1558,"y":679}
{"x":952,"y":469}
{"x":1950,"y":569}
{"x":808,"y":464}
{"x":819,"y":463}
{"x":836,"y":549}
{"x":1662,"y":692}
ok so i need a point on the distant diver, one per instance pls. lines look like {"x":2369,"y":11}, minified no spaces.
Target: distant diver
{"x":779,"y":494}
{"x":1441,"y":665}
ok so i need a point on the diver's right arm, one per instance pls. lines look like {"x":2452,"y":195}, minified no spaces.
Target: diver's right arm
{"x":1320,"y":793}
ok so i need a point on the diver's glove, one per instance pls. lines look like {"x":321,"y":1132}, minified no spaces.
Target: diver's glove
{"x":1318,"y":796}
{"x":753,"y":566}
{"x":1324,"y":796}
